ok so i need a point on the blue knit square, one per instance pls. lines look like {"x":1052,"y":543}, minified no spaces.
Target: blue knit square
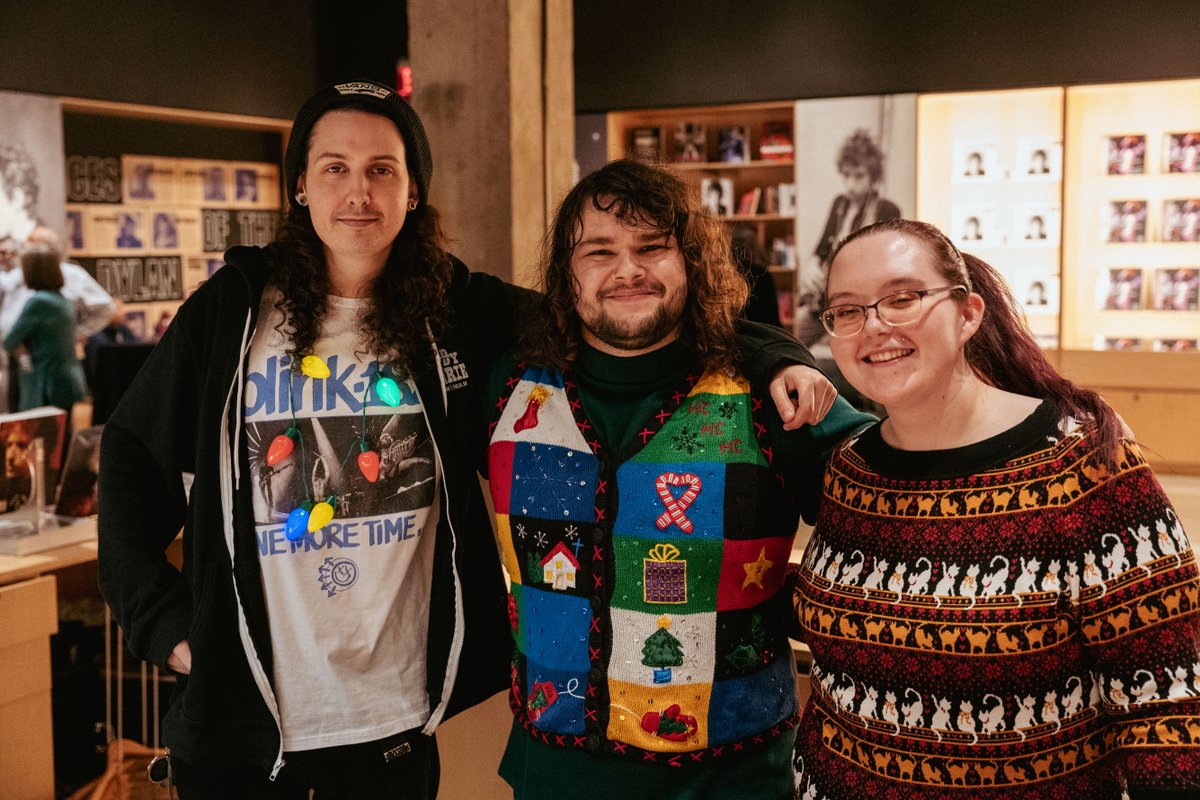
{"x":554,"y":698}
{"x":552,"y":482}
{"x":642,"y":508}
{"x":745,"y":706}
{"x":555,"y":628}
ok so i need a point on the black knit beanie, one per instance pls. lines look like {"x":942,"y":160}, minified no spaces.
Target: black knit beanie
{"x":374,"y":96}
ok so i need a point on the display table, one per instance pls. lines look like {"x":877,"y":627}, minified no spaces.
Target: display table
{"x":28,"y":618}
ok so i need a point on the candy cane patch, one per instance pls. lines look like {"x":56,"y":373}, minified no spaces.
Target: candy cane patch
{"x":676,"y":507}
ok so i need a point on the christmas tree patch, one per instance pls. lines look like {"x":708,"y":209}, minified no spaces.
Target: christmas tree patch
{"x":662,"y":651}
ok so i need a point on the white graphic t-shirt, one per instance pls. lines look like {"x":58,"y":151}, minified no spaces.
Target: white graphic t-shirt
{"x":348,"y":605}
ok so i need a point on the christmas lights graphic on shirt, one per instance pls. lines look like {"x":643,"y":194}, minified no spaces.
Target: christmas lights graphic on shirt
{"x":662,"y":651}
{"x":664,"y":576}
{"x":676,"y":506}
{"x":537,"y":397}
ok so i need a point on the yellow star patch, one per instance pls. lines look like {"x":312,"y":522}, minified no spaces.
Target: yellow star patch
{"x":757,"y":570}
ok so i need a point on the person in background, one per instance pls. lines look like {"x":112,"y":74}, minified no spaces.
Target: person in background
{"x":115,"y":332}
{"x":999,"y":598}
{"x":751,"y":260}
{"x":42,"y":342}
{"x":646,"y":506}
{"x":92,"y":305}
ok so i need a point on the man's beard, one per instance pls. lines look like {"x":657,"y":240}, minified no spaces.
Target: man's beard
{"x":625,"y":335}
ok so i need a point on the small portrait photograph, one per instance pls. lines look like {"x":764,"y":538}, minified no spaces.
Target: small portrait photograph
{"x":1183,"y":152}
{"x":690,"y":143}
{"x":1181,"y":220}
{"x":1118,"y":343}
{"x":716,"y":194}
{"x":1121,"y":289}
{"x":1125,"y":155}
{"x":213,"y":179}
{"x":732,"y":143}
{"x":135,"y":318}
{"x":1037,"y":291}
{"x":1035,"y":225}
{"x":165,"y":231}
{"x":246,"y":181}
{"x":973,"y":225}
{"x":75,"y":230}
{"x":1126,"y":221}
{"x":149,"y":179}
{"x":1174,"y":345}
{"x":128,"y":225}
{"x":1039,"y":158}
{"x":975,"y":161}
{"x":1176,"y":289}
{"x":139,"y":176}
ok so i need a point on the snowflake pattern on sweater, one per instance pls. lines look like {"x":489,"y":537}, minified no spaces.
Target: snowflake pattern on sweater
{"x":1028,"y":630}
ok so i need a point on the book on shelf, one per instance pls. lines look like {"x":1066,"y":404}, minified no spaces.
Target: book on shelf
{"x":771,"y":200}
{"x":787,"y":198}
{"x":78,"y":495}
{"x":732,"y":144}
{"x":775,"y":141}
{"x":691,"y":145}
{"x":748,"y":204}
{"x":645,"y":144}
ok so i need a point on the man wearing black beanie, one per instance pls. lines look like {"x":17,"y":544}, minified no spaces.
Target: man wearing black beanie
{"x":340,"y":593}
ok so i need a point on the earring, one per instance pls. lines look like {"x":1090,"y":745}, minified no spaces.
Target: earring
{"x":301,"y":198}
{"x":412,"y":205}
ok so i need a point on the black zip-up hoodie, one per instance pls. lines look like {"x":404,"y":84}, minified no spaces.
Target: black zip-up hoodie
{"x":183,"y":414}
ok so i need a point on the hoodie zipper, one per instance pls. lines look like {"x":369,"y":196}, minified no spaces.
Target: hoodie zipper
{"x":227,"y":507}
{"x":451,"y":674}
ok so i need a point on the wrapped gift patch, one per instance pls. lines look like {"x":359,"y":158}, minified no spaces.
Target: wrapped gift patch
{"x":664,"y":575}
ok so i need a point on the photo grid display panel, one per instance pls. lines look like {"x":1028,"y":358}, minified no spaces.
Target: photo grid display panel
{"x":991,"y":176}
{"x":1133,"y":223}
{"x":152,"y":229}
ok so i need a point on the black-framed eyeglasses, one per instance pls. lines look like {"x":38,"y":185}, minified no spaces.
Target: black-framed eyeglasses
{"x":898,"y":308}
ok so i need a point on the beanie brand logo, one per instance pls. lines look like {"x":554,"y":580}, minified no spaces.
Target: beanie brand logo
{"x":363,"y":88}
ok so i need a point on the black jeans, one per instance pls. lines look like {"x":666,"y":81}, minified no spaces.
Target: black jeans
{"x":400,"y":767}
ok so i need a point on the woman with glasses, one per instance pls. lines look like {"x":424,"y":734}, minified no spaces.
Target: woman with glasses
{"x":999,"y":599}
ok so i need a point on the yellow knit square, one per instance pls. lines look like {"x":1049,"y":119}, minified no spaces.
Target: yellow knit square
{"x":714,"y":382}
{"x":636,"y":708}
{"x":507,"y":551}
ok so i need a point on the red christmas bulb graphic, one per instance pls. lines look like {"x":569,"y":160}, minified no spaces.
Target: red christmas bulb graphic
{"x":281,"y":447}
{"x":368,"y":464}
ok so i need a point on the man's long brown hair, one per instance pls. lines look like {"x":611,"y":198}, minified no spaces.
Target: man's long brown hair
{"x":640,"y":194}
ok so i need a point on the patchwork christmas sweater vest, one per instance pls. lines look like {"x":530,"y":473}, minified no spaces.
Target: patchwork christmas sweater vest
{"x":646,"y":601}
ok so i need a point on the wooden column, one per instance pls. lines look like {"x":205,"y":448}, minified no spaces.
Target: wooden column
{"x":493,"y":83}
